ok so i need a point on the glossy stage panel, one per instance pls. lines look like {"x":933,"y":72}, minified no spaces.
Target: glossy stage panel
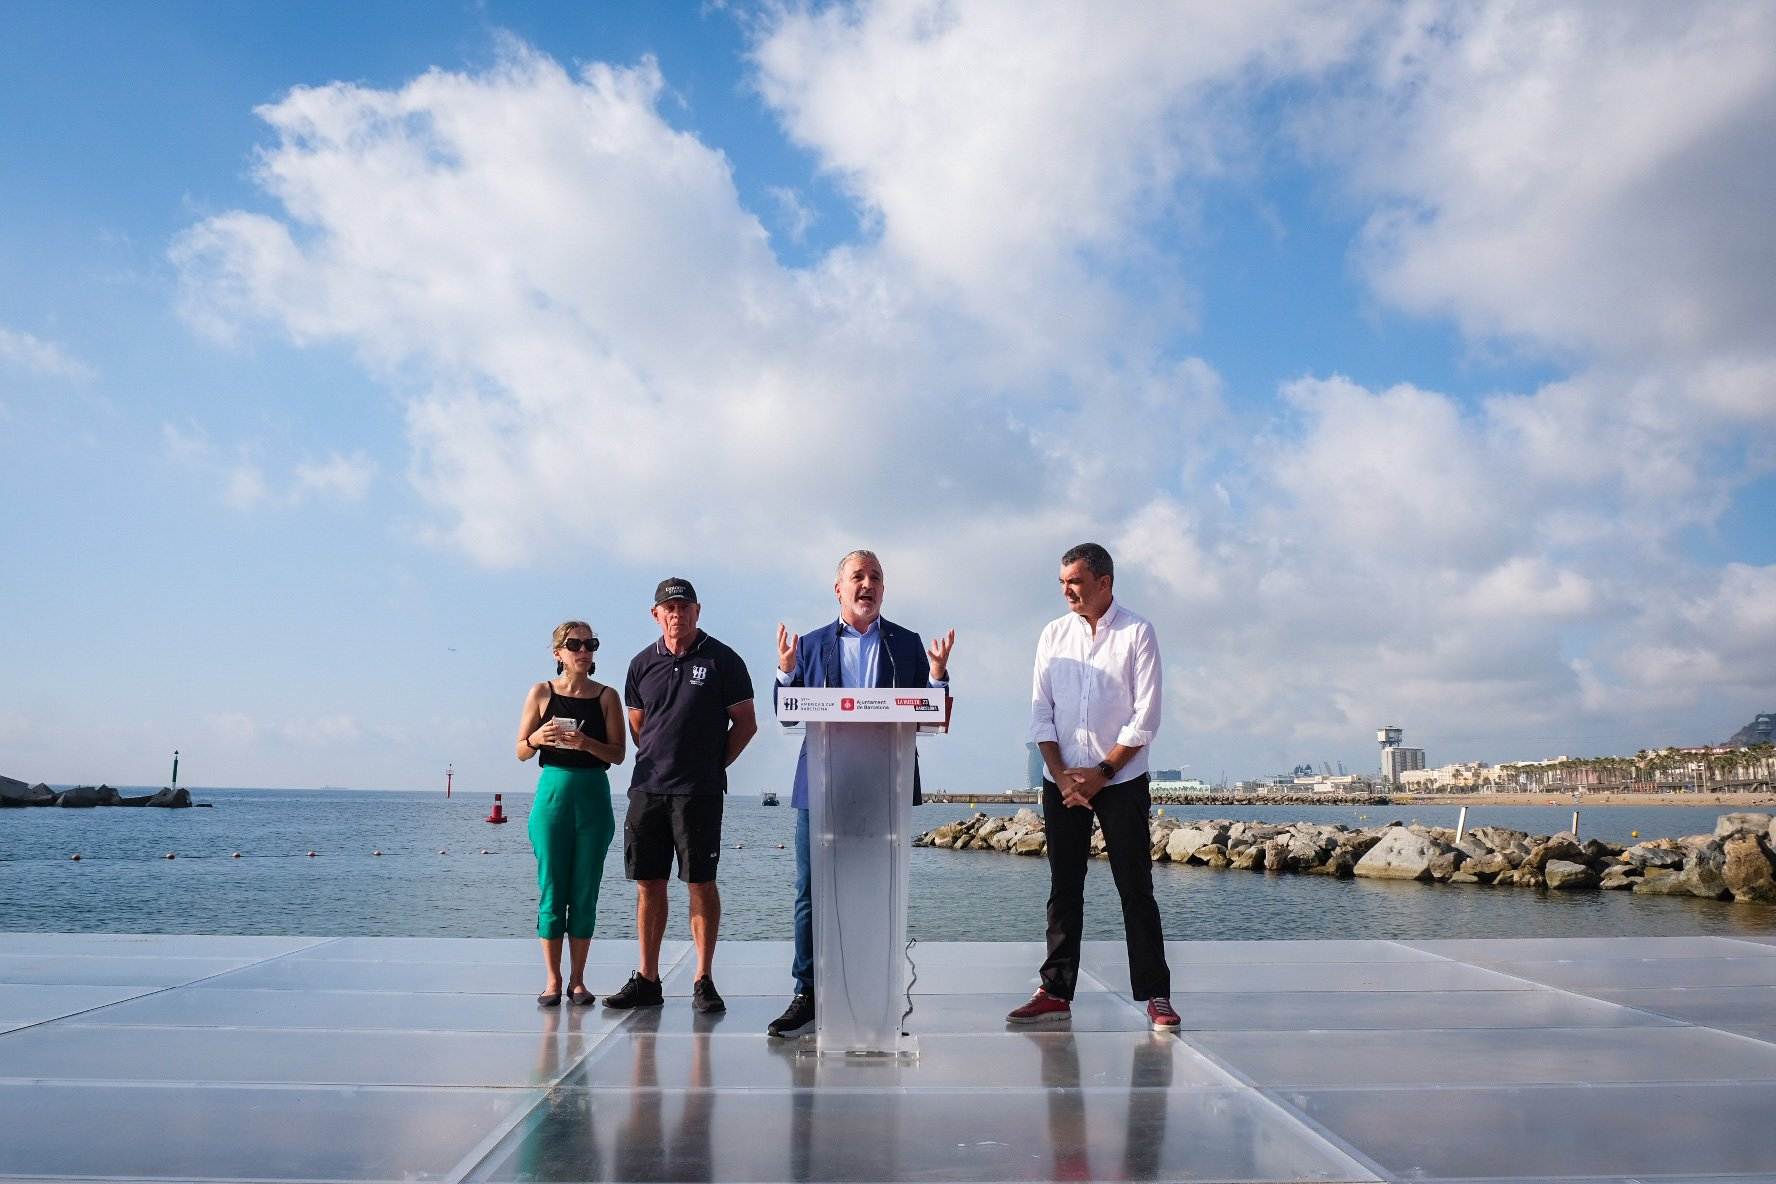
{"x":166,"y":1058}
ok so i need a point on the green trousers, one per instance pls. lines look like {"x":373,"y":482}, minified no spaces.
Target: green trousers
{"x":571,"y":825}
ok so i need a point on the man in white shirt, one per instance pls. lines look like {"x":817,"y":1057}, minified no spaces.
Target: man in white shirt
{"x":1094,"y":711}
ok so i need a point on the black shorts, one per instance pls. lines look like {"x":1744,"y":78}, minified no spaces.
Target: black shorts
{"x":661,"y":825}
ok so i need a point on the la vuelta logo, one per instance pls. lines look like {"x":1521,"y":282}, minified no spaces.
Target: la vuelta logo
{"x":847,"y":705}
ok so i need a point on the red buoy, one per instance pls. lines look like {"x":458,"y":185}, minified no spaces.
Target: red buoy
{"x":499,"y":811}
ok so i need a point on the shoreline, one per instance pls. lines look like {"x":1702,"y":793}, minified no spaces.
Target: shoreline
{"x":1571,"y":801}
{"x":1590,"y":798}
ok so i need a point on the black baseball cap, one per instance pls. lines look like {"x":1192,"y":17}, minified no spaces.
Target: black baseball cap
{"x":674,"y":588}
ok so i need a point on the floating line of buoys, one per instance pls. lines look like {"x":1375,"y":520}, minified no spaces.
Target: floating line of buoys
{"x":76,"y":857}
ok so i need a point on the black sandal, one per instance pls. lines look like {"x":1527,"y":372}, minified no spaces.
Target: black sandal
{"x":548,"y":1000}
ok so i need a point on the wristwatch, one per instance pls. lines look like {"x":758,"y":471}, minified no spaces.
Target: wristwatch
{"x":1107,"y":769}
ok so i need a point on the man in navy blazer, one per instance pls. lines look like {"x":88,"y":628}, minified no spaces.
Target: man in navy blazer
{"x":860,"y":649}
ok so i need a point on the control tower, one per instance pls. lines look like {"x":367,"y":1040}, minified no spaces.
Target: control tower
{"x":1396,"y":759}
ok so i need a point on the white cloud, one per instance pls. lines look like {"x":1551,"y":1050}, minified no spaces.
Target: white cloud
{"x":338,"y":478}
{"x":321,"y":731}
{"x":579,"y":313}
{"x":796,"y":215}
{"x":245,"y":487}
{"x":42,"y":358}
{"x":244,"y":484}
{"x":235,"y":728}
{"x":185,"y":446}
{"x":1005,"y":152}
{"x":1588,"y":177}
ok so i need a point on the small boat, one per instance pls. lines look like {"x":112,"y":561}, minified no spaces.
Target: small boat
{"x":768,"y":799}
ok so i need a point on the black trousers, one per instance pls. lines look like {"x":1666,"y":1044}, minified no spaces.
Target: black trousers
{"x":1122,"y":811}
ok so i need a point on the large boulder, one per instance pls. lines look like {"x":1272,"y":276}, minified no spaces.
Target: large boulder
{"x":83,"y":797}
{"x":1598,"y":852}
{"x":1030,"y":844}
{"x":1184,"y":842}
{"x":1736,"y":824}
{"x":1400,"y":854}
{"x":14,"y":792}
{"x":1445,"y":863}
{"x":1489,"y":867}
{"x":1561,"y":873}
{"x":1337,"y":863}
{"x":1660,"y":853}
{"x":1557,"y":846}
{"x":944,"y":835}
{"x":1501,"y":839}
{"x":1702,"y":872}
{"x":1214,"y":855}
{"x":1309,"y":844}
{"x":1158,"y":833}
{"x":1617,"y":877}
{"x":1278,"y":856}
{"x":1249,"y":858}
{"x":1746,"y":869}
{"x":173,"y":798}
{"x":1661,"y":881}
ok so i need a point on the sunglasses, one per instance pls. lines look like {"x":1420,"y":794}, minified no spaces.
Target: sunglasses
{"x":574,"y":645}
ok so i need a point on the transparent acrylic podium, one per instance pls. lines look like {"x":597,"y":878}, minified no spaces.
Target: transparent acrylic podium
{"x":861,"y":744}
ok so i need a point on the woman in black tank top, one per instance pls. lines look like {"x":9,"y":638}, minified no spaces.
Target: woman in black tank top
{"x":573,"y":726}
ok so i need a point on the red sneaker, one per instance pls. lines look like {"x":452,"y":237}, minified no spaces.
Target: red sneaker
{"x":1042,"y":1008}
{"x":1160,"y":1013}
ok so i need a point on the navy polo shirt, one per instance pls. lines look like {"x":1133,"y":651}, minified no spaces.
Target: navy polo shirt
{"x":684,"y":733}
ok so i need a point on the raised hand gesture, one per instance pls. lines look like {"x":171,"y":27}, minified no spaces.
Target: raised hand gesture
{"x":786,"y":649}
{"x":939,"y":653}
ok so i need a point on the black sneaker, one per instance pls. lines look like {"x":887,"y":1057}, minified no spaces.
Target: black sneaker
{"x":637,"y":992}
{"x":798,"y":1015}
{"x":704,"y":996}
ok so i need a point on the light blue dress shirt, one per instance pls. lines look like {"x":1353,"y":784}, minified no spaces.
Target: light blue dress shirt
{"x":860,"y":654}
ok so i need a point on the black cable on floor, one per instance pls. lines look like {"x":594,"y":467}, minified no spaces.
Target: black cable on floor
{"x":914,"y":967}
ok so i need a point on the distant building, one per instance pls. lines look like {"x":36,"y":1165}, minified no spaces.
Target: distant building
{"x":1340,"y":783}
{"x":1394,"y":758}
{"x":1395,"y":761}
{"x":1171,"y":781}
{"x":1470,"y":776}
{"x":1035,"y":772}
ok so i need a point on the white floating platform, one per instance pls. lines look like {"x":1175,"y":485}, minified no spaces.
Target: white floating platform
{"x":357,"y":1059}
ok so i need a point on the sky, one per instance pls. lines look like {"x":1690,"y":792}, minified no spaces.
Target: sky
{"x":1415,"y":362}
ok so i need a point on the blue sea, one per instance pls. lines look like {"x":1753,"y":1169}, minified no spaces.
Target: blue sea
{"x":443,"y":871}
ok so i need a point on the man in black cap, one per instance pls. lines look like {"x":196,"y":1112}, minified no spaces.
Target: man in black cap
{"x":691,"y":714}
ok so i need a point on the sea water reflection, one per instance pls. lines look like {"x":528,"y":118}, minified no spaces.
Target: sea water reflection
{"x":433,"y":879}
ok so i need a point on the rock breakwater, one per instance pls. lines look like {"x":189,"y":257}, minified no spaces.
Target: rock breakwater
{"x":14,"y":792}
{"x":1735,"y":862}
